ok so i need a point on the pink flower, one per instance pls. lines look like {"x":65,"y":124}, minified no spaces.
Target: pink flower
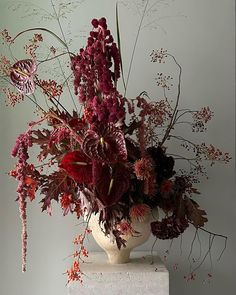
{"x":143,"y":168}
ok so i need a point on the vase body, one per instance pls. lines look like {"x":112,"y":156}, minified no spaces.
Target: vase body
{"x":116,"y":256}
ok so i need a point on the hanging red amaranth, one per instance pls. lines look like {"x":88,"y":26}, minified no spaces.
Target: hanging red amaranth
{"x":20,"y":150}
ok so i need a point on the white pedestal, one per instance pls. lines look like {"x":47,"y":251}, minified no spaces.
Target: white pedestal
{"x":138,"y":277}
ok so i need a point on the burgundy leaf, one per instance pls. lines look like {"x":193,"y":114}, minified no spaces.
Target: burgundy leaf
{"x":196,"y":215}
{"x":53,"y":186}
{"x":43,"y":139}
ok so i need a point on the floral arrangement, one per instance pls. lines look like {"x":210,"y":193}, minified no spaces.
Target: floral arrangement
{"x":111,"y":157}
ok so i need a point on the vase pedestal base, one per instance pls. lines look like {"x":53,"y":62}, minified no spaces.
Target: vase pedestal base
{"x":118,"y":256}
{"x":138,"y":276}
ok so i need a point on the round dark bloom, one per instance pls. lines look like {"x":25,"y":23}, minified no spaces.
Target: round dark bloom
{"x":164,"y":165}
{"x":169,"y":228}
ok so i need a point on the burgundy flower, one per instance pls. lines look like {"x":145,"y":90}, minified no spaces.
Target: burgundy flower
{"x":169,"y":227}
{"x":111,"y":183}
{"x":107,"y":110}
{"x":97,"y":67}
{"x":78,"y":166}
{"x":143,"y":168}
{"x":21,"y":76}
{"x":109,"y":147}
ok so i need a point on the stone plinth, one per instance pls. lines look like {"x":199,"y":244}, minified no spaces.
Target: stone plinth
{"x":138,"y":277}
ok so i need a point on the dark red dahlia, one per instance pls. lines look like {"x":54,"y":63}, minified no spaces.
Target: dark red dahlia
{"x":169,"y":228}
{"x":164,"y":164}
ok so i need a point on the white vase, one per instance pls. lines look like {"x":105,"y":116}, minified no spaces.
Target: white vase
{"x":116,"y":256}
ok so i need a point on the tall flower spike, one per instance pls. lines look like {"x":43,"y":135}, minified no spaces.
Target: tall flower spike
{"x":97,"y":67}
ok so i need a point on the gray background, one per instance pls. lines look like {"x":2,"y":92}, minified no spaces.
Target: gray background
{"x":200,"y":33}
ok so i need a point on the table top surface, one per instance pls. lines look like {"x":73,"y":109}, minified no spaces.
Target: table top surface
{"x":140,"y":261}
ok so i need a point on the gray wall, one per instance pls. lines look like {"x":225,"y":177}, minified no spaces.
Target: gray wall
{"x":200,"y":33}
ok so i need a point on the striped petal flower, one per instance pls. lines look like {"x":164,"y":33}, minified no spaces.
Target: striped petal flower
{"x":21,"y":76}
{"x":108,"y":148}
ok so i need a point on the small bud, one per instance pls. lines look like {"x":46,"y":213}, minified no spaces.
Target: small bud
{"x":95,"y":23}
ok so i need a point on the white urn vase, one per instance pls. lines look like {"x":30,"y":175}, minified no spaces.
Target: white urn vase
{"x":116,"y":256}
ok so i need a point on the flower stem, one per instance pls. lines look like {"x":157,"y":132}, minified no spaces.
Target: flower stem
{"x":135,"y":45}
